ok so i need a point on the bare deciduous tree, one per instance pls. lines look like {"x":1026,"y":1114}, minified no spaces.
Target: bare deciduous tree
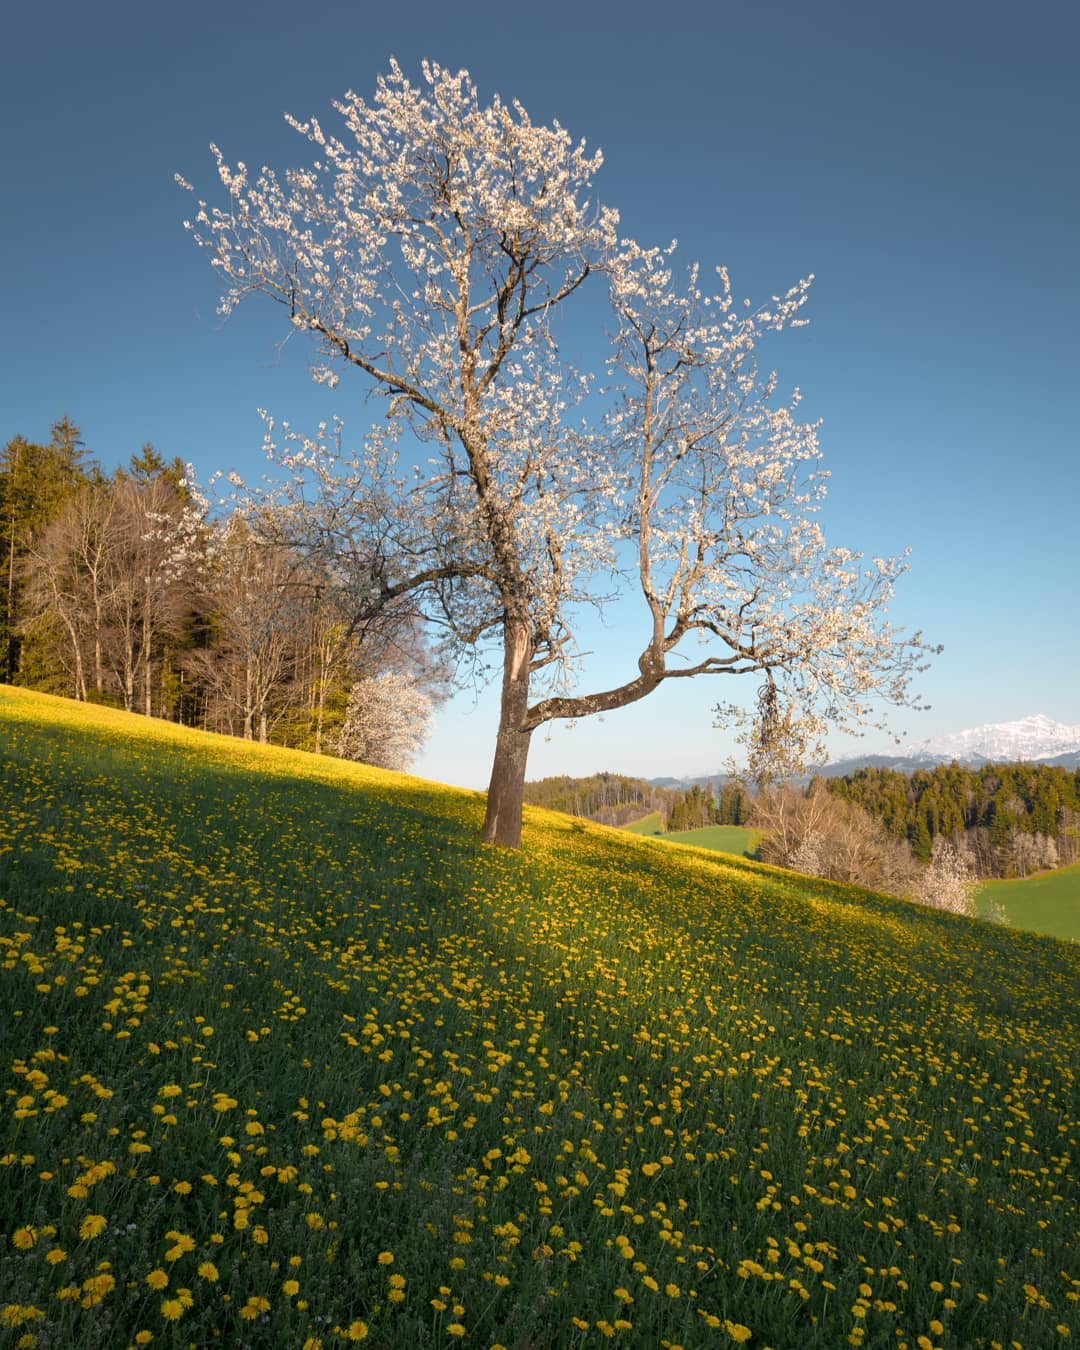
{"x":70,"y":573}
{"x":814,"y":832}
{"x":260,"y":623}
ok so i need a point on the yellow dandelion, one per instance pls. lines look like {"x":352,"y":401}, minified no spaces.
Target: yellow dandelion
{"x":157,"y":1279}
{"x":92,"y":1225}
{"x":209,"y":1272}
{"x":386,"y":1258}
{"x":357,"y":1331}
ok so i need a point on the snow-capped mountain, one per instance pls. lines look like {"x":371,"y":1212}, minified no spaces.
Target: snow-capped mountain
{"x":1032,"y":738}
{"x":1035,"y":738}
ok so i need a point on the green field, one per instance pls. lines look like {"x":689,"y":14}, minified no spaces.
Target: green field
{"x":1047,"y":903}
{"x":736,"y":839}
{"x":651,"y":825}
{"x":291,"y":1060}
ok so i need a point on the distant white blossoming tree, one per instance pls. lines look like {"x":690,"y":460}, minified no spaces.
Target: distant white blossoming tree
{"x":387,"y":721}
{"x":434,"y":248}
{"x":948,"y":882}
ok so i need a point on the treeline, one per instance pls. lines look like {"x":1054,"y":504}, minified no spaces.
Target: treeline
{"x":722,"y":803}
{"x":124,"y":589}
{"x":609,"y":798}
{"x":1009,"y":819}
{"x":613,"y":799}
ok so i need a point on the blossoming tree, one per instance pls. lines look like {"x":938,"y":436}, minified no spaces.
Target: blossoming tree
{"x":433,"y":249}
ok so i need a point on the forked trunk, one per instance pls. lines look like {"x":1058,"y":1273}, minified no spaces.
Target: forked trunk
{"x":506,"y":791}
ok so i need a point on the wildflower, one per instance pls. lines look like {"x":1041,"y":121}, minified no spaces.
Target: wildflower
{"x":172,"y":1309}
{"x":157,"y":1279}
{"x":291,"y":1287}
{"x":91,"y":1226}
{"x":24,"y":1238}
{"x":181,"y":1244}
{"x":17,"y":1314}
{"x":386,"y":1258}
{"x":357,"y":1331}
{"x":209,"y":1272}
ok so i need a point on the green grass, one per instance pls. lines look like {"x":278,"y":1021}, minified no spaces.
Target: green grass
{"x":289,"y":1057}
{"x":651,"y":825}
{"x":1047,"y":903}
{"x":735,"y":839}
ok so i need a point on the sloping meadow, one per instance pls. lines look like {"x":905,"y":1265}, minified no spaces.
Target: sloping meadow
{"x":289,"y":1059}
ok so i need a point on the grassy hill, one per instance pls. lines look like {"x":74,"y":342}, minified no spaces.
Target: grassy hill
{"x":1046,"y":903}
{"x":290,"y":1060}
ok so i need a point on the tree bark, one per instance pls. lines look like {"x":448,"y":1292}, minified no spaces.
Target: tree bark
{"x":147,"y":640}
{"x":506,"y":791}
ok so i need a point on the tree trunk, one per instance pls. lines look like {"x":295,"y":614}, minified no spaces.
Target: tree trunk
{"x":506,"y":791}
{"x":147,"y":666}
{"x":249,"y":707}
{"x":12,"y":640}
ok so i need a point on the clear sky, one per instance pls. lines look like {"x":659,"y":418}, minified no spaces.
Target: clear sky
{"x":920,"y":159}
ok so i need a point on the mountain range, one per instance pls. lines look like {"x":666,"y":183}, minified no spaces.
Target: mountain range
{"x":1036,"y":739}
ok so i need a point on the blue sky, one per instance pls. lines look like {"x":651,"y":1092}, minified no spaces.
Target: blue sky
{"x":920,"y":159}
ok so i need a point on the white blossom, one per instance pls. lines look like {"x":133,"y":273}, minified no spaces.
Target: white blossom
{"x":433,"y":248}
